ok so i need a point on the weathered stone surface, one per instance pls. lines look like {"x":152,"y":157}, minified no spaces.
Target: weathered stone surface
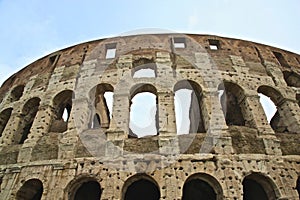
{"x":230,"y":142}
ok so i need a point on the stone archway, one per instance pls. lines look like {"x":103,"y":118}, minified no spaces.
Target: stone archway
{"x":30,"y":190}
{"x":141,"y":187}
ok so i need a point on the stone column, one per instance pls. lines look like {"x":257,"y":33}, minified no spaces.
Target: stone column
{"x":166,"y":116}
{"x":38,"y":129}
{"x":255,"y":117}
{"x":288,"y":110}
{"x":168,"y":140}
{"x":254,"y":114}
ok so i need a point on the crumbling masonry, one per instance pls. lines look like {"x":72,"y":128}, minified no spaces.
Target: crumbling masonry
{"x":59,"y":140}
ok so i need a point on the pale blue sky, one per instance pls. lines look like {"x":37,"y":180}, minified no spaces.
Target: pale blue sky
{"x":31,"y":29}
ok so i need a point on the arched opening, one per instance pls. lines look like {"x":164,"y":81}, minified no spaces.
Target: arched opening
{"x":102,"y":100}
{"x":30,"y":190}
{"x":144,"y":68}
{"x":188,"y":104}
{"x":62,"y":106}
{"x":83,"y":188}
{"x":90,"y":190}
{"x":257,"y":186}
{"x":4,"y":117}
{"x":141,"y":188}
{"x":231,"y":96}
{"x":268,"y":106}
{"x":143,"y":111}
{"x":17,"y":93}
{"x":201,"y":186}
{"x":292,"y":79}
{"x":29,"y":112}
{"x":277,"y":121}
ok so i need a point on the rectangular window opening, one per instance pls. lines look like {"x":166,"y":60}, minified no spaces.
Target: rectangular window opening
{"x":280,"y":59}
{"x":179,"y":42}
{"x":53,"y":59}
{"x":111,"y":50}
{"x":214,"y":44}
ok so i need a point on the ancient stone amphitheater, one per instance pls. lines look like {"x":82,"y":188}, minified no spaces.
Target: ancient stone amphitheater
{"x":60,"y":140}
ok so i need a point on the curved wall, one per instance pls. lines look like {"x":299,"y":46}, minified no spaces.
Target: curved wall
{"x":230,"y":146}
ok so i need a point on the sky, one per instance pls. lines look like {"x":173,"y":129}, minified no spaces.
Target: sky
{"x":31,"y":29}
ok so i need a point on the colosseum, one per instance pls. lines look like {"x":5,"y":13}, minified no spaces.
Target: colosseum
{"x":67,"y":131}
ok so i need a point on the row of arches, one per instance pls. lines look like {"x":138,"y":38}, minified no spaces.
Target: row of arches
{"x":141,"y":186}
{"x":188,"y":103}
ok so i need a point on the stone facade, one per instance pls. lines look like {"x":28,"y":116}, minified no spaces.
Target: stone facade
{"x":230,"y":152}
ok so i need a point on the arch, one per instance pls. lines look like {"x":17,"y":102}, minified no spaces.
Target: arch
{"x":191,"y":108}
{"x":143,"y":119}
{"x":277,"y":122}
{"x":30,"y":190}
{"x":140,"y":186}
{"x":17,"y":93}
{"x":29,"y":112}
{"x":258,"y":186}
{"x":231,"y":98}
{"x":291,"y":78}
{"x":101,"y":115}
{"x":144,"y":67}
{"x":202,"y":186}
{"x":84,"y":188}
{"x":62,"y":106}
{"x":4,"y":117}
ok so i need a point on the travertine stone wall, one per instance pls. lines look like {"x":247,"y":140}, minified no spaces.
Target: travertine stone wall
{"x":63,"y":154}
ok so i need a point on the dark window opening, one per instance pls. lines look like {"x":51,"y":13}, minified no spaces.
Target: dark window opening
{"x":198,"y":189}
{"x":31,"y":190}
{"x":111,"y":50}
{"x":142,"y":189}
{"x":17,"y":93}
{"x":188,"y":103}
{"x":62,"y":107}
{"x":257,"y":186}
{"x":1,"y":179}
{"x":179,"y":42}
{"x":66,"y":113}
{"x":53,"y":59}
{"x":253,"y":190}
{"x":4,"y":117}
{"x":298,"y":98}
{"x":214,"y":44}
{"x":292,"y":79}
{"x":281,"y":59}
{"x":230,"y":96}
{"x":90,"y":190}
{"x":29,"y":112}
{"x":26,"y":131}
{"x":101,"y":97}
{"x":298,"y":186}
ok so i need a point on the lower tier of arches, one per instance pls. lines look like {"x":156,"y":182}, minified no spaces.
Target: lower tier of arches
{"x":187,"y":177}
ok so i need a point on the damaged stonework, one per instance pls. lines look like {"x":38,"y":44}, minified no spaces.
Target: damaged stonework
{"x":66,"y":129}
